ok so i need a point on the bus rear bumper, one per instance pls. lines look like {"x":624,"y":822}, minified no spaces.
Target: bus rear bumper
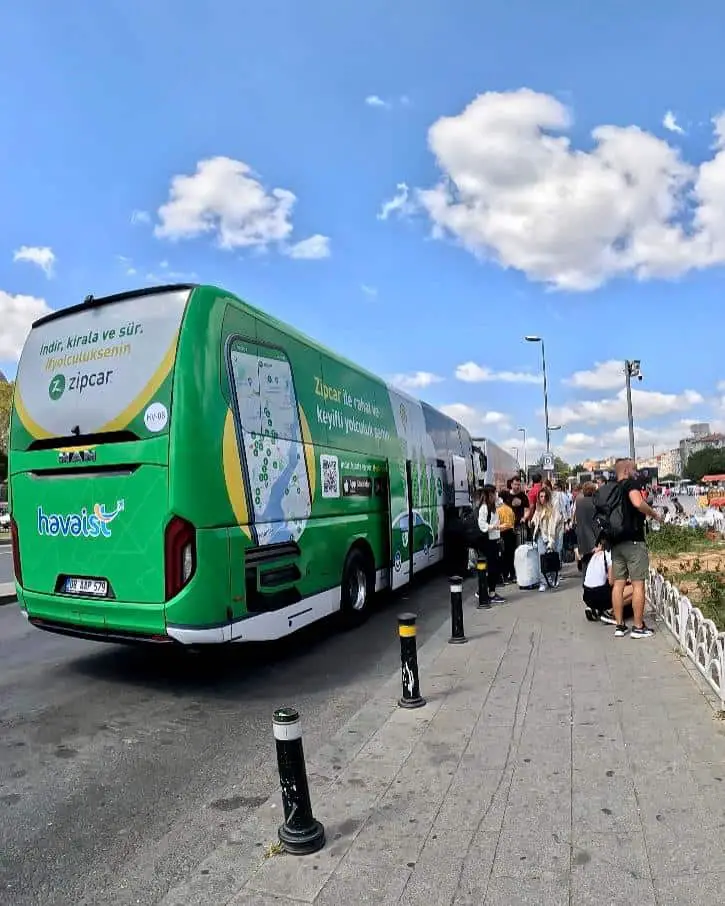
{"x":101,"y":620}
{"x":100,"y":634}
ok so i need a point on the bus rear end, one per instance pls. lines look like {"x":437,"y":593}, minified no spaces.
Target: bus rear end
{"x":97,"y":552}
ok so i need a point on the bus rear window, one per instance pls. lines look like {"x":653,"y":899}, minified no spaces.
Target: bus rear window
{"x":100,"y":369}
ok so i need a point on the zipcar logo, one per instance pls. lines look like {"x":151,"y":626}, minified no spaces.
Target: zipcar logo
{"x":79,"y":525}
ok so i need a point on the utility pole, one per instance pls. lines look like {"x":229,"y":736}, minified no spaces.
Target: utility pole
{"x":533,"y":338}
{"x":526,"y":465}
{"x":631,"y":369}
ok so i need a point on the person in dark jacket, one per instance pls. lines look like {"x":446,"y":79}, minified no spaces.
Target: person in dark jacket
{"x":586,"y":539}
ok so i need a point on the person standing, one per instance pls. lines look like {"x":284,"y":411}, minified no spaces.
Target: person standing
{"x":507,"y":519}
{"x":519,"y":504}
{"x":630,"y":558}
{"x":533,"y":496}
{"x":490,"y":526}
{"x":586,"y":535}
{"x":547,"y":525}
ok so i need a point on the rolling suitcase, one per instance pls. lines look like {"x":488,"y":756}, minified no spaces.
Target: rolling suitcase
{"x":526,"y":564}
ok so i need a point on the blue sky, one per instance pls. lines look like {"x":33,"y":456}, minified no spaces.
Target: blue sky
{"x":144,"y":142}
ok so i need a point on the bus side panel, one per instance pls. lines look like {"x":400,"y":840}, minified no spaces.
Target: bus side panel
{"x":203,"y":486}
{"x":300,"y":556}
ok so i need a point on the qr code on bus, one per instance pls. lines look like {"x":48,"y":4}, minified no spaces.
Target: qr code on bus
{"x":330,"y":473}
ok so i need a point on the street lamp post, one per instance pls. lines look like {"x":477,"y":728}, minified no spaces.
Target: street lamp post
{"x":631,"y":370}
{"x":532,"y":338}
{"x":553,"y":428}
{"x":526,"y":469}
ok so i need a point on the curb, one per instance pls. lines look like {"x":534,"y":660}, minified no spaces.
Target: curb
{"x":7,"y":593}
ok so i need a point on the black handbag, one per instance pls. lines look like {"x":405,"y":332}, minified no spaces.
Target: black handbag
{"x":550,"y":567}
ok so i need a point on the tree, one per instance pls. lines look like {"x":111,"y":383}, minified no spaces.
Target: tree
{"x":670,"y":477}
{"x":6,"y":403}
{"x":705,"y":462}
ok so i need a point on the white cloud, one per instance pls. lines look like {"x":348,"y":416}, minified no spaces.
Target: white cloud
{"x":373,"y":100}
{"x":127,"y":265}
{"x":316,"y":246}
{"x":472,"y":373}
{"x":645,"y":404}
{"x":669,"y":121}
{"x":17,"y":314}
{"x":140,"y":217}
{"x":534,"y":446}
{"x":168,"y":276}
{"x":513,"y":188}
{"x":369,"y":290}
{"x":223,"y":198}
{"x":721,"y":386}
{"x":398,"y":204}
{"x":604,"y":376}
{"x":42,"y":256}
{"x":475,"y":420}
{"x":578,"y":442}
{"x":415,"y":381}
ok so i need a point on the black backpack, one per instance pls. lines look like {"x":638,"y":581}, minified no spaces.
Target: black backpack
{"x":471,"y":532}
{"x":610,"y":513}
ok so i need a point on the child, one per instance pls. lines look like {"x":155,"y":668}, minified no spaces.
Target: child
{"x":507,"y":519}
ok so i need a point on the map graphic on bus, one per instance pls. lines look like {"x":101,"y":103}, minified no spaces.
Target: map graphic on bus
{"x":278,"y":485}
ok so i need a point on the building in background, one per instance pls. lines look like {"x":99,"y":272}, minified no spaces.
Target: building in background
{"x":671,"y":463}
{"x":701,"y":439}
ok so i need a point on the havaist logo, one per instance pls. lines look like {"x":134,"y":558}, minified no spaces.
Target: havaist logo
{"x":79,"y":525}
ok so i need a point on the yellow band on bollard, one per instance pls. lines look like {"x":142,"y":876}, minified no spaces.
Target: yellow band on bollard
{"x":406,"y":632}
{"x":481,"y":566}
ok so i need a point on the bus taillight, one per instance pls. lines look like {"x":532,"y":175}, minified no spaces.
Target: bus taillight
{"x":179,"y":555}
{"x":15,"y":543}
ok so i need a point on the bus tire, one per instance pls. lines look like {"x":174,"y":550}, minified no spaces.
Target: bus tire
{"x":357,"y":589}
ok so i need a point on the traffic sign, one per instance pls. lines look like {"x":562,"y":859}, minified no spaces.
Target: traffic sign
{"x":547,"y":462}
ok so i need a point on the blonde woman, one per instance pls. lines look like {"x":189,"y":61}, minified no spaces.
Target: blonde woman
{"x":548,"y":525}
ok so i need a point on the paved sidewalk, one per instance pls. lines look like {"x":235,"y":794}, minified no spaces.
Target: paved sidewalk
{"x":552,"y":765}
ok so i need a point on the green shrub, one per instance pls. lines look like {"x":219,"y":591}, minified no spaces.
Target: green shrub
{"x":672,"y":540}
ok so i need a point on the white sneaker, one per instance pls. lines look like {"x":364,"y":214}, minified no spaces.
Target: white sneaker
{"x":542,"y":586}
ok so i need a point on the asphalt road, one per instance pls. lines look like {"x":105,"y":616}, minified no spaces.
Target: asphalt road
{"x":6,"y":564}
{"x":120,"y":767}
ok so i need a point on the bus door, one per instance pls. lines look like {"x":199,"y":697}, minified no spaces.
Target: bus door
{"x":400,"y":517}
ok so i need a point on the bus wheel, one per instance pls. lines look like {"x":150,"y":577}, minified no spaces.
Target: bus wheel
{"x":357,"y":589}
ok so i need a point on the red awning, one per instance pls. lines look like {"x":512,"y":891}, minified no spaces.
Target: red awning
{"x":714,"y":478}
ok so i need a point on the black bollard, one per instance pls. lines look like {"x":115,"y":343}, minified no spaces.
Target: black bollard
{"x":301,"y":833}
{"x":482,"y":573}
{"x":458,"y":635}
{"x":409,"y":662}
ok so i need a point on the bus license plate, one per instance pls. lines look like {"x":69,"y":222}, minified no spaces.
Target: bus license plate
{"x":97,"y":588}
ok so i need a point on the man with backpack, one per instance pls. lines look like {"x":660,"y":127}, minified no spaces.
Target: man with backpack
{"x":620,"y":514}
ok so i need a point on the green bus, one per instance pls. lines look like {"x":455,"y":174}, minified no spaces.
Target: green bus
{"x":185,"y":468}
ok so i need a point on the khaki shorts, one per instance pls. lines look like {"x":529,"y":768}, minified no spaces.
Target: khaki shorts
{"x":630,"y":560}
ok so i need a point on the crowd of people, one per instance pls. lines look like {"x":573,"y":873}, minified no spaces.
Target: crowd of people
{"x":567,"y":524}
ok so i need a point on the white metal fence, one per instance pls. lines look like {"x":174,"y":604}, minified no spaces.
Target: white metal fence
{"x":698,"y":637}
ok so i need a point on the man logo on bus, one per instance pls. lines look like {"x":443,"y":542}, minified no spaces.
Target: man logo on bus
{"x":79,"y":525}
{"x":57,"y":387}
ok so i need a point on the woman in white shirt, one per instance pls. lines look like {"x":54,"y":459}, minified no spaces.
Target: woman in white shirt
{"x":548,"y":526}
{"x":490,"y":526}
